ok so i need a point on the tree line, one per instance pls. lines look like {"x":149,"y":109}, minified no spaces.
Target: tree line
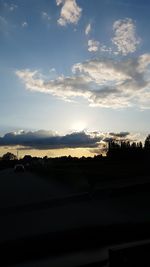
{"x":126,"y":148}
{"x":116,"y":149}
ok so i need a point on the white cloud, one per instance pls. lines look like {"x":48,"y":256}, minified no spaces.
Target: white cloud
{"x":70,"y":12}
{"x":88,"y":29}
{"x":103,"y":82}
{"x":125,"y":37}
{"x":101,"y":72}
{"x":52,"y":70}
{"x":3,"y":21}
{"x":143,"y":62}
{"x":45,"y":16}
{"x":104,"y":49}
{"x":13,"y":7}
{"x":24,"y":24}
{"x":63,"y":87}
{"x":10,"y":7}
{"x":4,"y":27}
{"x":93,"y":45}
{"x":58,"y":2}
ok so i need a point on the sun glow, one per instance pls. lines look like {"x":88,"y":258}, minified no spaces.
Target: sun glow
{"x":78,"y":126}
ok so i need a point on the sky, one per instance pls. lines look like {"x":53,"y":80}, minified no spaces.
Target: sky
{"x":73,"y":70}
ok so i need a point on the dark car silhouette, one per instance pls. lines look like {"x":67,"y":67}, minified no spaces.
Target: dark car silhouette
{"x":19,"y":168}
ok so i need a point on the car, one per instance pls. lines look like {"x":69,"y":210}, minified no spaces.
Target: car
{"x":19,"y":168}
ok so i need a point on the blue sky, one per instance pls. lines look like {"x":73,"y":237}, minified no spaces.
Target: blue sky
{"x":70,"y":65}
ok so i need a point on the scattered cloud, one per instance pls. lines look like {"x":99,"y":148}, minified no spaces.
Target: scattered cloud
{"x":3,"y":21}
{"x":125,"y":38}
{"x":52,"y":70}
{"x":103,"y":82}
{"x":49,"y":140}
{"x":3,"y":25}
{"x":45,"y":16}
{"x":13,"y":7}
{"x":70,"y":12}
{"x":10,"y":7}
{"x":93,"y":45}
{"x":96,"y":46}
{"x":88,"y":29}
{"x":105,"y":49}
{"x":24,"y":24}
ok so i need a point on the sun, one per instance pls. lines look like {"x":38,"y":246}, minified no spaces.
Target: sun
{"x":79,"y":126}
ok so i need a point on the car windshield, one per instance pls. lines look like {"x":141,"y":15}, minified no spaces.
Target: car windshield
{"x":74,"y":132}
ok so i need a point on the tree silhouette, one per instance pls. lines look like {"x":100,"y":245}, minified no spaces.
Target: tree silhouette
{"x":147,"y":143}
{"x":128,"y":149}
{"x":9,"y":156}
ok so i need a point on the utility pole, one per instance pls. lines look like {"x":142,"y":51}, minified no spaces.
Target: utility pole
{"x":17,"y":154}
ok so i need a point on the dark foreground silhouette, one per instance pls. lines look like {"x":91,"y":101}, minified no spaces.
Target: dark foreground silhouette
{"x":125,"y":161}
{"x":108,"y":213}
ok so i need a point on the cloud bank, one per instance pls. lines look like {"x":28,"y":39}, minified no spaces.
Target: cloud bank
{"x":49,"y":140}
{"x":103,"y":82}
{"x":95,"y":142}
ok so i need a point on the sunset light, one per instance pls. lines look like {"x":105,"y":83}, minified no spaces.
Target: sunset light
{"x":79,"y":126}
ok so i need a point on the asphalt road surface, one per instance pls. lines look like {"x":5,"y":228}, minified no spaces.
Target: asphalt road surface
{"x":31,"y":207}
{"x":26,"y":188}
{"x":28,"y":206}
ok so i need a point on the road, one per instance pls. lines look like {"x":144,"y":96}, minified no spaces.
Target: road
{"x":32,"y":207}
{"x":26,"y":188}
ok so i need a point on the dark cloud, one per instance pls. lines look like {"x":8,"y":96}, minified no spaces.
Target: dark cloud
{"x":49,"y":140}
{"x":108,"y":139}
{"x":121,"y":134}
{"x":95,"y":141}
